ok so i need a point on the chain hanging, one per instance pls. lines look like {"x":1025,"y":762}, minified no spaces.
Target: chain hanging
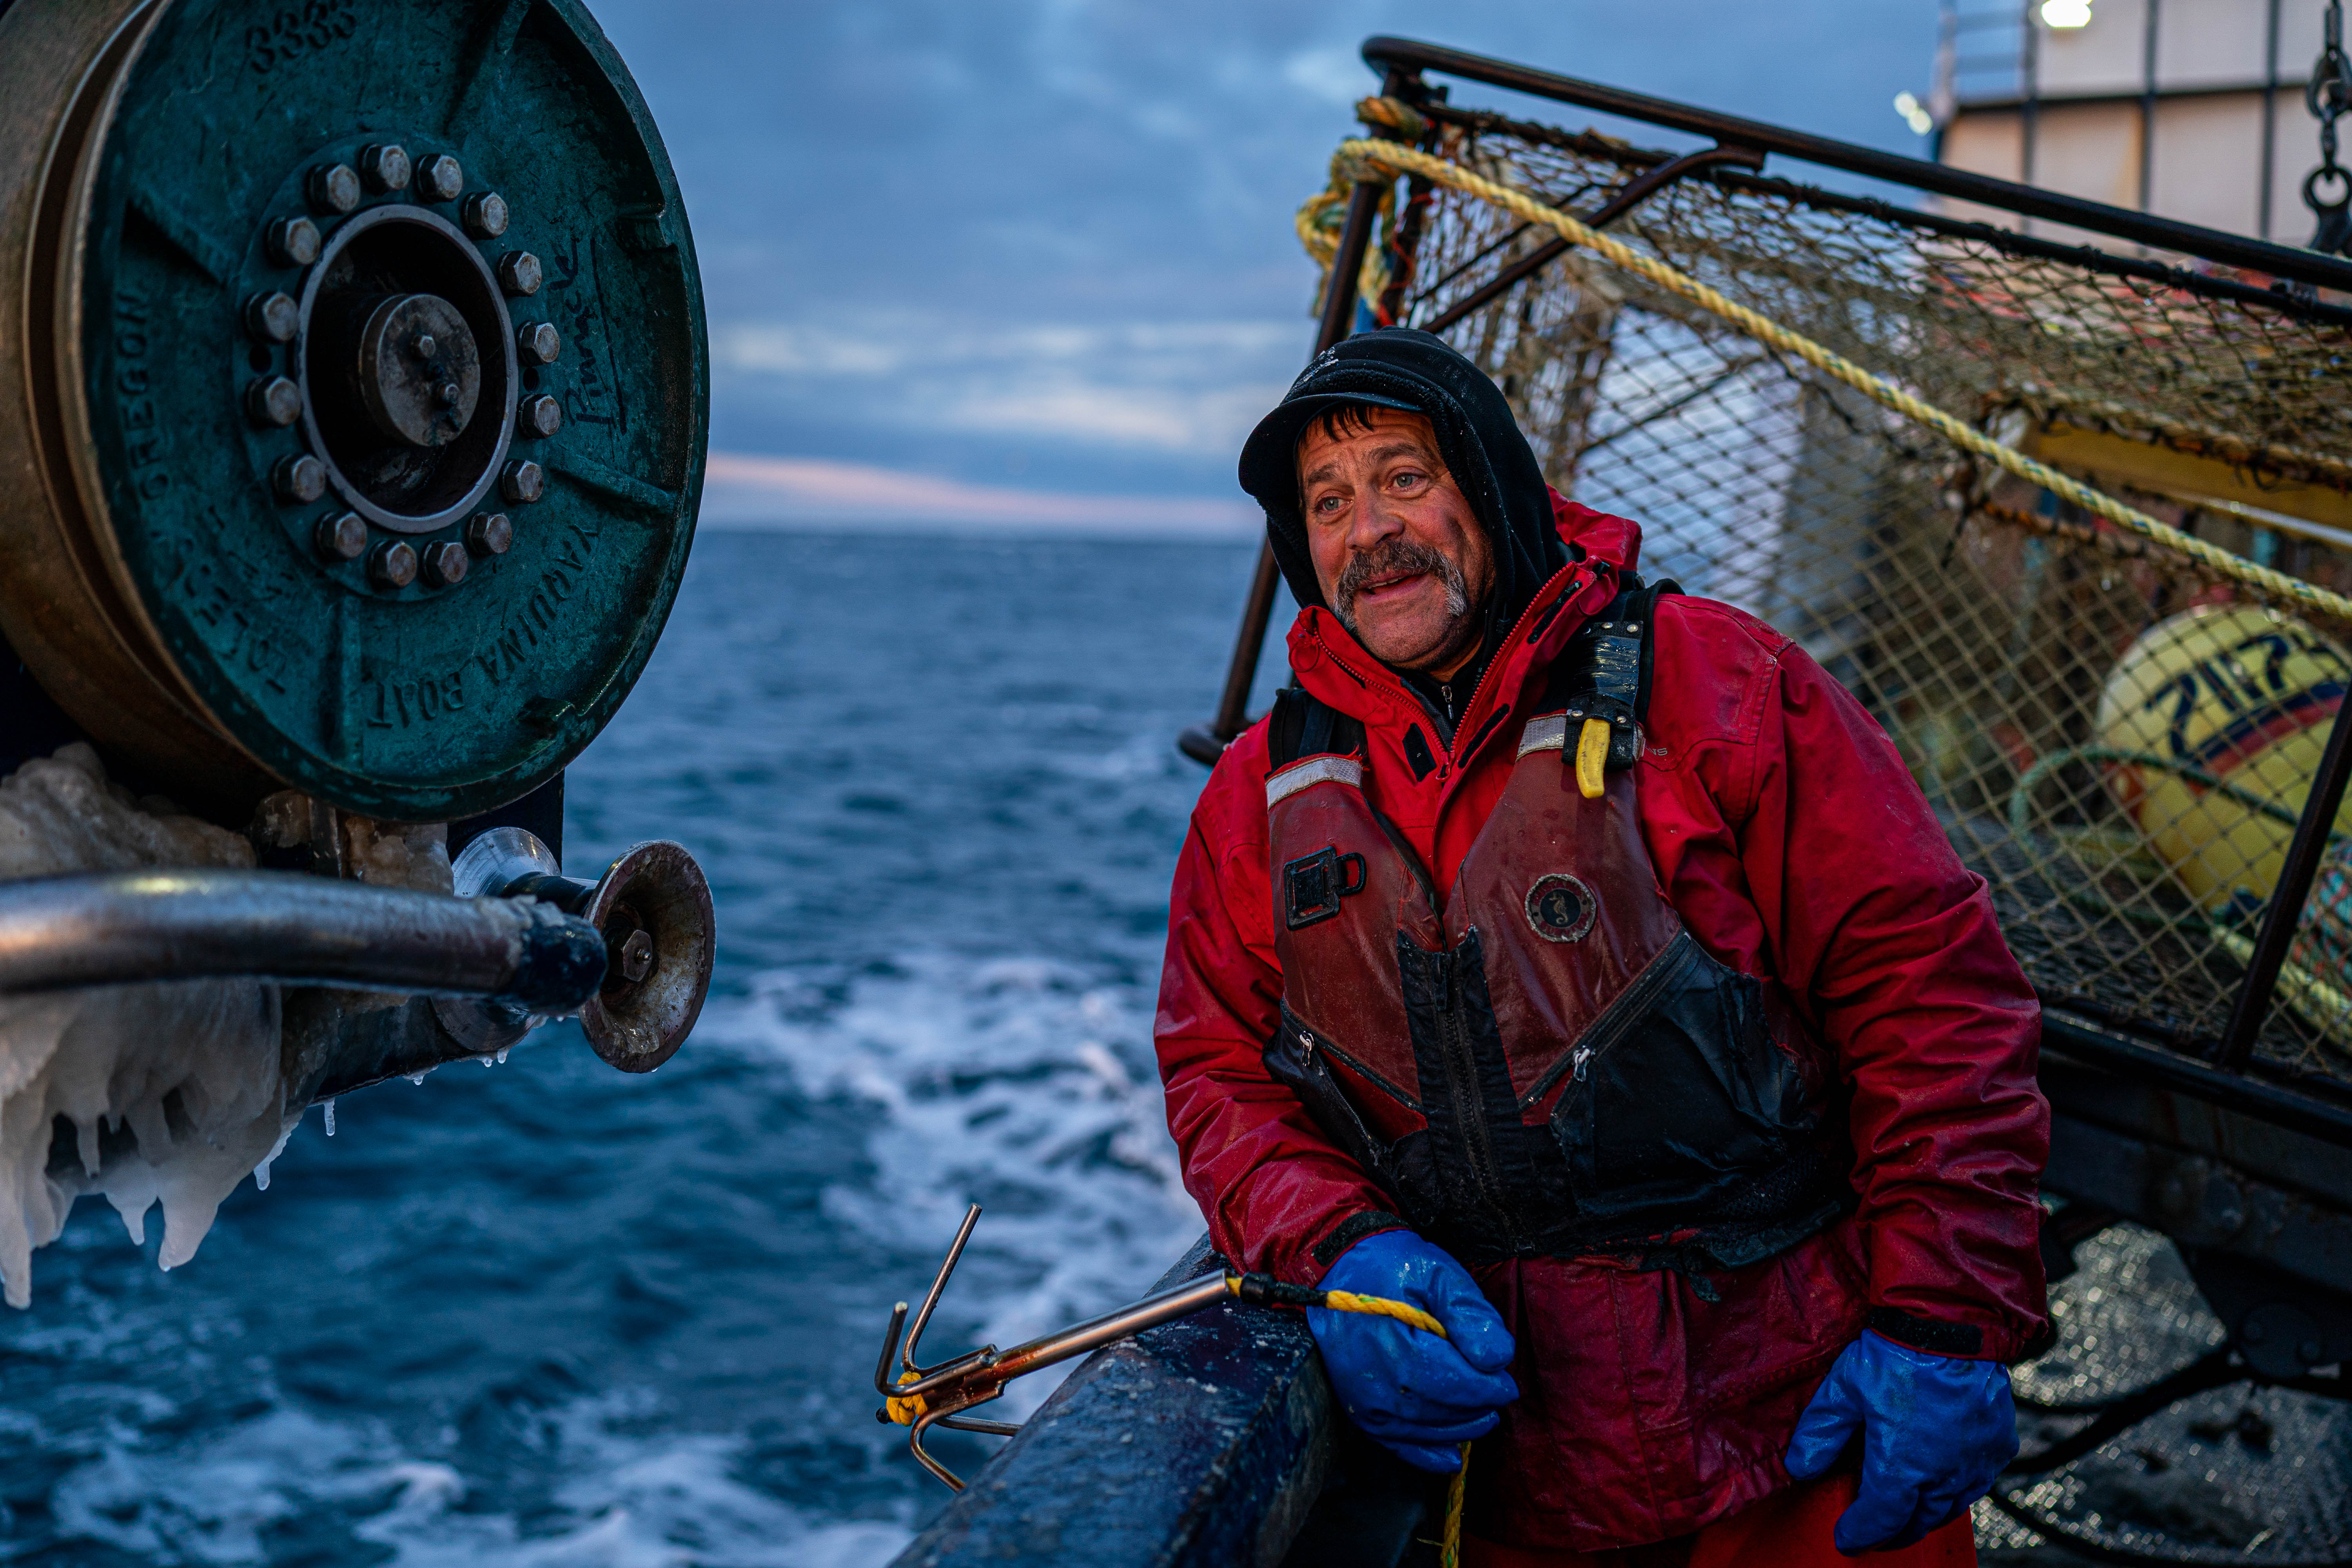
{"x":2328,"y":95}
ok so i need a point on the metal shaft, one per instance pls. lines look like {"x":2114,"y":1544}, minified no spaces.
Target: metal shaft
{"x":60,"y":933}
{"x":942,"y":1395}
{"x":1050,"y":1348}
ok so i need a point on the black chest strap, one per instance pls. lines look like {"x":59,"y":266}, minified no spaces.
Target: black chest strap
{"x":1605,"y":671}
{"x":1303,"y":727}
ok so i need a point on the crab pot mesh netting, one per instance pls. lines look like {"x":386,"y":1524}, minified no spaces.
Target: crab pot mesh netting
{"x":2116,"y":738}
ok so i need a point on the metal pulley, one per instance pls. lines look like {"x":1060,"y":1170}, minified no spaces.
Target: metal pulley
{"x":354,"y":389}
{"x":651,"y":909}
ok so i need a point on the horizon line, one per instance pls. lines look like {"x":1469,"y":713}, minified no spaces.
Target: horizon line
{"x":760,"y":491}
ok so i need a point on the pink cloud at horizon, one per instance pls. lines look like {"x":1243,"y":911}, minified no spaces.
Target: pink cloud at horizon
{"x":749,"y":489}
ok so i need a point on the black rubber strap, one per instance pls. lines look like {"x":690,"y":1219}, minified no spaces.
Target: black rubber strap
{"x":1353,"y":1229}
{"x":1926,"y":1333}
{"x":1265,"y":1290}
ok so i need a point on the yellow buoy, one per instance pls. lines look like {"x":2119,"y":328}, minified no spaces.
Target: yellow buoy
{"x":2233,"y":693}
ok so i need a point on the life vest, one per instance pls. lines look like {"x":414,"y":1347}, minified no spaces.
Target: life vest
{"x":1544,"y":1062}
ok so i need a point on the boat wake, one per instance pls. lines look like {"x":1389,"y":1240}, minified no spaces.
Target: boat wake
{"x":1021,"y":1084}
{"x":627,"y":1501}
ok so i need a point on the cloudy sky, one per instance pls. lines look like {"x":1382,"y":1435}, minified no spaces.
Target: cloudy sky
{"x":1033,"y":260}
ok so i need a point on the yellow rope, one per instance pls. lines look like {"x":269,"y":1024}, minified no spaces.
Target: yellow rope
{"x":1450,"y":1545}
{"x":1319,"y":221}
{"x":1449,"y":1551}
{"x":1408,"y":123}
{"x":1366,"y":156}
{"x":1382,"y":1307}
{"x":904,"y":1410}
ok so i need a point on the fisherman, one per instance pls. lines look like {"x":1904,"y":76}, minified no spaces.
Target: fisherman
{"x":1576,"y":959}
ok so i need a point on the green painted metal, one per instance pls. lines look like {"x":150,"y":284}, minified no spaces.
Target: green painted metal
{"x":420,"y":702}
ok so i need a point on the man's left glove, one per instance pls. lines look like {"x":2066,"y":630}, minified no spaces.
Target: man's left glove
{"x":1936,"y":1430}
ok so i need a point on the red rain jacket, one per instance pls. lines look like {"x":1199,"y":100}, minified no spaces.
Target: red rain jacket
{"x":1794,"y":845}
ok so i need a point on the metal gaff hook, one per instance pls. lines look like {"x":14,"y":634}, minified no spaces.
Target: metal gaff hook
{"x":922,"y":1397}
{"x":914,"y":1378}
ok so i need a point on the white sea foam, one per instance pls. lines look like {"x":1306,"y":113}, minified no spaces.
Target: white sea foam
{"x":631,"y":1501}
{"x":1025,"y":1083}
{"x":1144,"y":755}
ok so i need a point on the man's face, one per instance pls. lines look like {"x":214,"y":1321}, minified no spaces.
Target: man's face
{"x":1397,"y":549}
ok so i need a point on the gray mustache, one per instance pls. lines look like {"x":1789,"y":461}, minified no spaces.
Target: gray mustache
{"x":1399,"y":555}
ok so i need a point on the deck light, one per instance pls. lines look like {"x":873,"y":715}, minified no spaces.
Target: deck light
{"x":2066,"y":13}
{"x":1914,"y":113}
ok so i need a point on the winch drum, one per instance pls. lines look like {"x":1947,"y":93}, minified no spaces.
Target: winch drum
{"x":354,"y":390}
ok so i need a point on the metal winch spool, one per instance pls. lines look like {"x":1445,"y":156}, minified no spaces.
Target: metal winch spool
{"x":354,"y":389}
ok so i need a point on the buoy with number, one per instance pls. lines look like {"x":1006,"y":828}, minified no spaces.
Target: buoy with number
{"x":2236,"y":694}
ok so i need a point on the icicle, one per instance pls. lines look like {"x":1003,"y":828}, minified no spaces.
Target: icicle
{"x":330,"y":1109}
{"x":261,"y":1172}
{"x":501,"y":1057}
{"x":415,"y":1077}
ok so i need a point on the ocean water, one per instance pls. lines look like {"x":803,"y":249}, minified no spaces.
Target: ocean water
{"x":549,"y":1315}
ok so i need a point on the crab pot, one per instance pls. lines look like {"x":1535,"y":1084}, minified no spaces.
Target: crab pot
{"x":354,"y":390}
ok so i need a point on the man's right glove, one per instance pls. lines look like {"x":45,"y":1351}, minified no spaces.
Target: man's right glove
{"x":1417,"y":1395}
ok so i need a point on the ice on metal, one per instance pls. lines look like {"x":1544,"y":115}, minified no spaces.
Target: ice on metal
{"x":172,"y":1090}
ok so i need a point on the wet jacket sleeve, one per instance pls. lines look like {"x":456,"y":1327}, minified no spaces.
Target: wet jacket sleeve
{"x":1891,"y":945}
{"x":1278,"y":1196}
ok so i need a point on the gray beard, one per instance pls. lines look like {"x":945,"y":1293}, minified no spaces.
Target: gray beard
{"x":1399,"y":554}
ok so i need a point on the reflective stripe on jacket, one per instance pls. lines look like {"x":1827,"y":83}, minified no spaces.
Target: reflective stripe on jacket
{"x":1794,"y":848}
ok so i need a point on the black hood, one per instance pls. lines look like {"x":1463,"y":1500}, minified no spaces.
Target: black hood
{"x":1396,"y":367}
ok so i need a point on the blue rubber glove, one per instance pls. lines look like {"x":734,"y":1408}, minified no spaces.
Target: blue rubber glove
{"x":1936,"y":1430}
{"x":1418,"y":1396}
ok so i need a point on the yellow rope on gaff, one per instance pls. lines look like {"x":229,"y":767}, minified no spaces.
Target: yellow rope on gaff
{"x":1382,"y":1307}
{"x":906,"y":1411}
{"x":1390,"y":159}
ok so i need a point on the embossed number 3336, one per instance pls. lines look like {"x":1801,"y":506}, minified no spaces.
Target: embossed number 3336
{"x":295,"y":33}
